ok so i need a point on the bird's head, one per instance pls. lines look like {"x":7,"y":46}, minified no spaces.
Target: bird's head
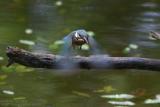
{"x":79,"y":39}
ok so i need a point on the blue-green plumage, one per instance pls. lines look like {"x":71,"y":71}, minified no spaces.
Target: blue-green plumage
{"x":78,"y":38}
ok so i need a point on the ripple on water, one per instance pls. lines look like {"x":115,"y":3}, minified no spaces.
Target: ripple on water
{"x":151,"y":14}
{"x":149,"y":4}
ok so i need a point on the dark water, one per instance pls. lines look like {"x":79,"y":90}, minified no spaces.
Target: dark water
{"x":116,"y":24}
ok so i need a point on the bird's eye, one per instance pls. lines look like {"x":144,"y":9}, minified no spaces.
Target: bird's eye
{"x":80,"y":36}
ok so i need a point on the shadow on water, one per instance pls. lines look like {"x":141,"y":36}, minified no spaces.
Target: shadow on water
{"x":116,"y":25}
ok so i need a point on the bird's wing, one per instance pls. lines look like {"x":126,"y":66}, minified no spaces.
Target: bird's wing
{"x":94,"y":46}
{"x":67,"y":46}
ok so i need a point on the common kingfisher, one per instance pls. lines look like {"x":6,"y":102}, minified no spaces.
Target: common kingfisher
{"x":79,"y":38}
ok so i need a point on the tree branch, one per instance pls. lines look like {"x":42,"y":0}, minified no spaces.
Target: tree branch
{"x":50,"y":61}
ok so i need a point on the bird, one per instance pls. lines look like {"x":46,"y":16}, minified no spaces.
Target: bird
{"x":77,"y":38}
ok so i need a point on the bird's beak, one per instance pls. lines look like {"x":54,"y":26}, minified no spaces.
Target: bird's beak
{"x":77,"y":35}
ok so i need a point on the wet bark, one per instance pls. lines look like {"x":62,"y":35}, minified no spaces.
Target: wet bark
{"x":51,"y":61}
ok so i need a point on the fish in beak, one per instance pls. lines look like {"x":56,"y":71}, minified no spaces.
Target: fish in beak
{"x":79,"y":39}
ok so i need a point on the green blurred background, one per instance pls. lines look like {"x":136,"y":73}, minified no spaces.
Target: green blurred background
{"x":118,"y":25}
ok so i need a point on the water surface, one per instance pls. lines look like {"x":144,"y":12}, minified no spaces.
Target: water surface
{"x":116,"y":24}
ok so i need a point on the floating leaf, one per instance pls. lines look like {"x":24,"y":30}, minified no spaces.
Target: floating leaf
{"x":129,"y":48}
{"x":106,"y":89}
{"x":8,"y":92}
{"x":126,"y":50}
{"x":81,"y":94}
{"x":85,"y":47}
{"x":1,"y":58}
{"x":133,"y":46}
{"x":118,"y":96}
{"x":52,"y":46}
{"x":58,"y":3}
{"x":91,"y":33}
{"x":158,"y":96}
{"x":27,"y":42}
{"x":152,"y":101}
{"x":56,"y":45}
{"x":122,"y":103}
{"x":28,"y":31}
{"x":59,"y":42}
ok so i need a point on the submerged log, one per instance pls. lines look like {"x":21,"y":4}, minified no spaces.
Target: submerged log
{"x":50,"y":61}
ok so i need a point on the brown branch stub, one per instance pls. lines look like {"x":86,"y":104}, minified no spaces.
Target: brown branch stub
{"x":50,"y":61}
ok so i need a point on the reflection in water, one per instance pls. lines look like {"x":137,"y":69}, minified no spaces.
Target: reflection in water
{"x":149,"y":5}
{"x":153,"y":101}
{"x":45,"y":21}
{"x":118,"y":96}
{"x":122,"y":103}
{"x":113,"y":97}
{"x":148,"y":19}
{"x":151,"y":14}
